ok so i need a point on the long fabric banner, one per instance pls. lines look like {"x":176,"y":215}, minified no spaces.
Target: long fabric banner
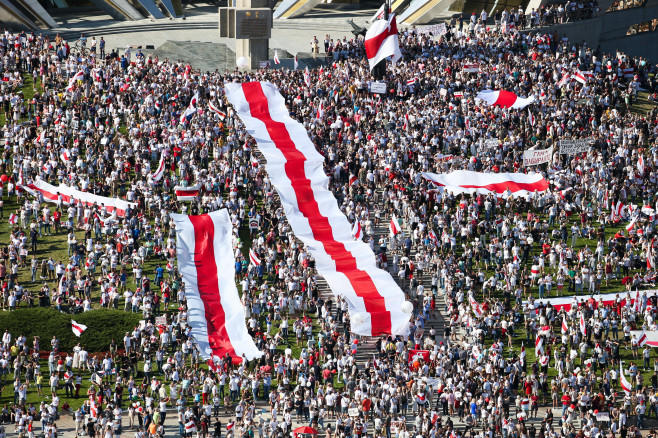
{"x":607,"y":300}
{"x":466,"y":181}
{"x":51,"y":194}
{"x":215,"y":313}
{"x":375,"y":300}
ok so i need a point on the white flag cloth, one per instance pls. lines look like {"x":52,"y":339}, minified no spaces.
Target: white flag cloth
{"x":206,"y":262}
{"x":78,"y":328}
{"x":49,"y":193}
{"x":503,"y":98}
{"x":466,"y":181}
{"x":157,"y":176}
{"x":377,"y":306}
{"x":382,"y":41}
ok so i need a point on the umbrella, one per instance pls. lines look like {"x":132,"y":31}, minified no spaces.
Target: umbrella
{"x":306,"y":430}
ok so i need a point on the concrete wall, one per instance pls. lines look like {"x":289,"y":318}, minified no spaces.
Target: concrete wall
{"x":608,"y":30}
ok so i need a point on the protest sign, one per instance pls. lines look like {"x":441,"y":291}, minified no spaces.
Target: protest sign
{"x":571,"y":147}
{"x":535,"y":157}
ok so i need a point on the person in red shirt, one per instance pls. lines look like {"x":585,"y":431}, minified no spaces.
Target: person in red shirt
{"x":566,"y":400}
{"x":57,"y":215}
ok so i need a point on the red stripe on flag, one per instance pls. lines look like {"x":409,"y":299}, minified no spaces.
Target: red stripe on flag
{"x":206,"y":269}
{"x":505,"y":98}
{"x":308,"y":206}
{"x":513,"y":186}
{"x":187,"y":192}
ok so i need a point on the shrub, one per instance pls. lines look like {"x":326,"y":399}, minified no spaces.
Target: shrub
{"x":103,"y":325}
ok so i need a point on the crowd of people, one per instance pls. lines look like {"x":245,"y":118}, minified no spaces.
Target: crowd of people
{"x":493,"y":261}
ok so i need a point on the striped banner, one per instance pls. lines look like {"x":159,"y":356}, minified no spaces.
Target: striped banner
{"x":215,"y":313}
{"x":377,"y":305}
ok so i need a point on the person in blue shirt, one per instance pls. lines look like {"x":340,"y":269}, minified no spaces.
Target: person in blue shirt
{"x":159,"y":274}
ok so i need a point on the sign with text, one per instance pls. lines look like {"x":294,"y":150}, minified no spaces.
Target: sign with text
{"x":571,"y":147}
{"x":378,"y":87}
{"x":491,"y":143}
{"x":353,"y":412}
{"x":535,"y":157}
{"x":434,"y":29}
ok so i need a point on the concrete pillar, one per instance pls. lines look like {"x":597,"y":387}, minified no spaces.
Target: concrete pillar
{"x":250,"y":23}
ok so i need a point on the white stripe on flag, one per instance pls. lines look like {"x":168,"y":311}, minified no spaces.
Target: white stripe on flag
{"x":205,"y":259}
{"x":296,"y":170}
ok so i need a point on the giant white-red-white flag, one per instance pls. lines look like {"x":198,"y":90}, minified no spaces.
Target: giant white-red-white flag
{"x":206,"y":262}
{"x":376,"y":304}
{"x":466,"y":181}
{"x":159,"y":172}
{"x":382,"y":41}
{"x":503,"y":98}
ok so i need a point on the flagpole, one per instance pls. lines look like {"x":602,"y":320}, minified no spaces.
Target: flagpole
{"x":380,"y":69}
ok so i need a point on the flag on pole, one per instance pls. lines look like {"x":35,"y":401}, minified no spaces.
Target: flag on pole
{"x":78,"y":328}
{"x":522,"y":355}
{"x":539,"y":345}
{"x":161,"y":168}
{"x":631,"y":225}
{"x":531,"y":118}
{"x":357,"y":232}
{"x":296,"y":63}
{"x":583,"y":326}
{"x":565,"y":327}
{"x":213,"y":108}
{"x":78,"y":76}
{"x":307,"y":77}
{"x":382,"y":41}
{"x":253,"y":257}
{"x":650,"y":257}
{"x":13,"y":219}
{"x":625,"y":384}
{"x":640,"y":164}
{"x":276,"y":57}
{"x":394,"y":226}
